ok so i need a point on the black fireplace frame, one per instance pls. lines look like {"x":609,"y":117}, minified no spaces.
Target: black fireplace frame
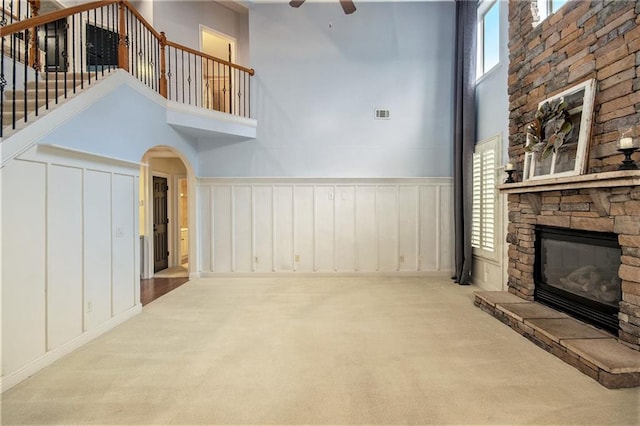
{"x":599,"y":314}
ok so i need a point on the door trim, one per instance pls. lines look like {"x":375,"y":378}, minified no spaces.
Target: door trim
{"x":147,"y":188}
{"x":178,"y":216}
{"x":232,"y":40}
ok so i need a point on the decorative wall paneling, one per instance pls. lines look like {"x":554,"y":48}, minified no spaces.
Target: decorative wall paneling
{"x":70,"y":258}
{"x":285,"y":225}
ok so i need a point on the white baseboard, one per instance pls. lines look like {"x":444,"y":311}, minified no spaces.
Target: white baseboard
{"x":432,"y":274}
{"x":12,"y":379}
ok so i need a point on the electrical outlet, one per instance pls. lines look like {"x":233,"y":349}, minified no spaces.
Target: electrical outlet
{"x":297,"y":258}
{"x":119,"y":232}
{"x":255,"y":259}
{"x":401,"y":259}
{"x":89,"y":307}
{"x":331,"y":196}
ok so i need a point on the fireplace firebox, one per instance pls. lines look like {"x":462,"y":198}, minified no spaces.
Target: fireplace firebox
{"x":577,"y":272}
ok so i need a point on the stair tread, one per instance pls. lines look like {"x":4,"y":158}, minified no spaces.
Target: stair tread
{"x":50,"y":90}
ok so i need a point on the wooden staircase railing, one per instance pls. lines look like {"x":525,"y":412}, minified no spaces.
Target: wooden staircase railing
{"x":71,"y":48}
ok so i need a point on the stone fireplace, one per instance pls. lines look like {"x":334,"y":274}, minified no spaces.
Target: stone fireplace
{"x":583,"y":40}
{"x":613,"y":211}
{"x":592,"y":221}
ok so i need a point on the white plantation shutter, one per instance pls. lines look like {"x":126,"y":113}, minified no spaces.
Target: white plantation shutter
{"x":483,"y":222}
{"x":488,"y":199}
{"x":476,"y":216}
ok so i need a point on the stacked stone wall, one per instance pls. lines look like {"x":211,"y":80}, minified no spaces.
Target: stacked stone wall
{"x":582,"y":40}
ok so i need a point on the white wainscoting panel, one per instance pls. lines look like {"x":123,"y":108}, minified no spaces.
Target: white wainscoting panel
{"x":366,"y":218}
{"x":324,"y":253}
{"x":242,"y":226}
{"x":222,"y":228}
{"x":345,"y":228}
{"x":70,"y":258}
{"x":284,"y":225}
{"x":263,"y":242}
{"x":64,"y":255}
{"x":430,"y":228}
{"x":408,"y":229}
{"x":387,"y":228}
{"x":283,"y":228}
{"x":304,"y":241}
{"x":205,"y":221}
{"x":97,"y":248}
{"x":23,"y":264}
{"x":124,"y":194}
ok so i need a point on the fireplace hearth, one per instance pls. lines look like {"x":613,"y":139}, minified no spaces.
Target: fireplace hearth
{"x":577,"y":272}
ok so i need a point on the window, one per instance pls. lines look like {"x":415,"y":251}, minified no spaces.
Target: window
{"x":488,"y":36}
{"x":483,"y":223}
{"x":543,"y":8}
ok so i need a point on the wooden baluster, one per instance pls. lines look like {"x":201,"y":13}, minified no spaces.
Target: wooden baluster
{"x":163,"y":66}
{"x":33,"y":48}
{"x":123,"y":42}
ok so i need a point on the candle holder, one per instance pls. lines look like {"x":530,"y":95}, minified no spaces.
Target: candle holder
{"x":510,"y":169}
{"x":510,"y":178}
{"x":628,"y":163}
{"x":628,"y":143}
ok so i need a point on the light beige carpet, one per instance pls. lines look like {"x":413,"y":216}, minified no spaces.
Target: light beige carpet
{"x":315,"y":351}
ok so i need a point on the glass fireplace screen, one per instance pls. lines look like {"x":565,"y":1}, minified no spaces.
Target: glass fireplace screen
{"x":584,"y":266}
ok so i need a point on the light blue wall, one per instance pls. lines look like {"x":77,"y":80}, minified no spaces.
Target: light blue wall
{"x":492,"y":98}
{"x":319,"y":77}
{"x":124,"y":124}
{"x":181,"y":21}
{"x":492,"y":117}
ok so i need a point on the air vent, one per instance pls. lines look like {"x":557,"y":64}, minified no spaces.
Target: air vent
{"x":382,"y":114}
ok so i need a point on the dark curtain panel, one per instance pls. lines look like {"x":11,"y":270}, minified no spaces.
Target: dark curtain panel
{"x":464,"y":134}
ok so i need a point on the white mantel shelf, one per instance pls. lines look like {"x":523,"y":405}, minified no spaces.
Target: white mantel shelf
{"x":591,"y":180}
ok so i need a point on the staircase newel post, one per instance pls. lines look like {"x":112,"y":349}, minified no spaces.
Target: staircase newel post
{"x":163,"y":65}
{"x":123,"y":40}
{"x":33,"y":39}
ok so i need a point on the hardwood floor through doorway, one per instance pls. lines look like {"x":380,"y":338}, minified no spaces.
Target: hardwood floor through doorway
{"x":153,"y":288}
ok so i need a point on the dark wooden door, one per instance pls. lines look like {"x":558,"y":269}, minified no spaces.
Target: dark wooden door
{"x":54,"y":44}
{"x":160,"y":221}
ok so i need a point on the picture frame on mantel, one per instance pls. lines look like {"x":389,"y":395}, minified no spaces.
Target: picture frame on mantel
{"x":570,"y":158}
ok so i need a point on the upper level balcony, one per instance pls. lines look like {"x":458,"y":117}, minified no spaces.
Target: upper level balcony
{"x":52,"y":57}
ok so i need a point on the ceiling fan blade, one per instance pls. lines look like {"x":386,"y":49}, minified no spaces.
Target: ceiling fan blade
{"x":348,"y":6}
{"x":296,"y":3}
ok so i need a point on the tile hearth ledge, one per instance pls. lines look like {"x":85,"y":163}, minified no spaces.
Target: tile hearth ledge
{"x":590,"y":180}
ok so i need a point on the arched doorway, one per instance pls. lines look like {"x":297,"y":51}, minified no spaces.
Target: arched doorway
{"x":167,"y":193}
